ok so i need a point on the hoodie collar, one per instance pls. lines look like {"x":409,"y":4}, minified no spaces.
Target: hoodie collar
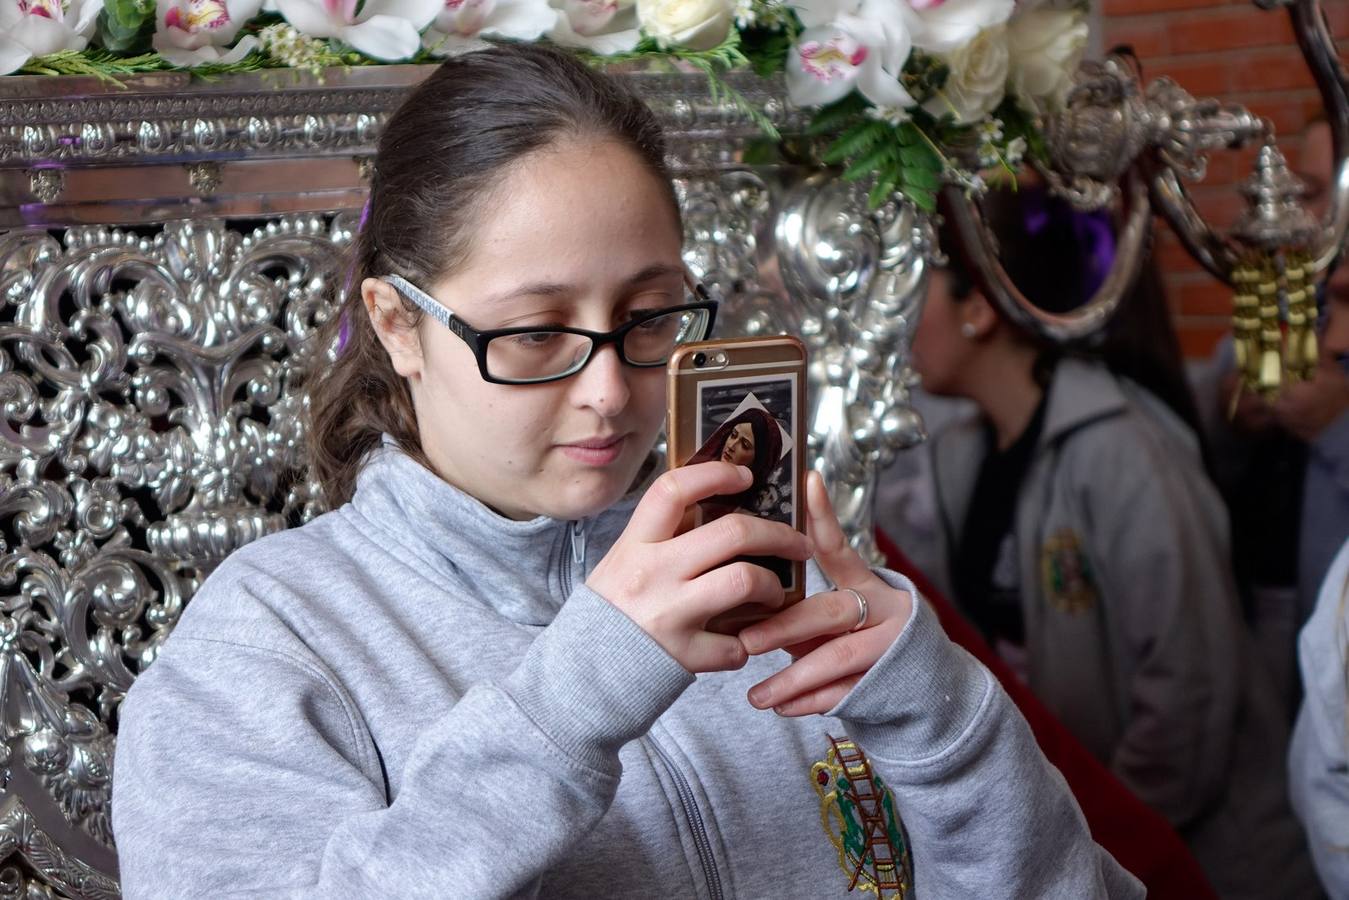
{"x":522,"y":569}
{"x":1080,"y":393}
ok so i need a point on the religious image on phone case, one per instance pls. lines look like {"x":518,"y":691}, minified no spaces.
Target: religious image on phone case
{"x":748,"y":422}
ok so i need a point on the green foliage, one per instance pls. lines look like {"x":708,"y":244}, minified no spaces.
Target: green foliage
{"x":899,"y":157}
{"x":126,"y":26}
{"x":767,"y":49}
{"x":836,"y":116}
{"x":763,"y":151}
{"x":725,"y":58}
{"x":101,"y":64}
{"x":1018,"y":123}
{"x":250,"y":63}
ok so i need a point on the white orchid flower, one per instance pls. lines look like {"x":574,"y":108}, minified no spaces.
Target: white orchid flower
{"x":30,"y":28}
{"x":460,"y":25}
{"x":847,"y":45}
{"x":605,"y":27}
{"x":196,"y":32}
{"x":941,"y":26}
{"x":383,"y":29}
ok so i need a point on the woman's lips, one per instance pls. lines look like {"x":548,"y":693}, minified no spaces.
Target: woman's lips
{"x":595,"y":451}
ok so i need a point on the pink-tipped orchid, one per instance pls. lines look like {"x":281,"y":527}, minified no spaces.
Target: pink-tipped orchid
{"x":30,"y":28}
{"x":600,"y":26}
{"x":383,"y":29}
{"x":196,"y":32}
{"x":849,"y":45}
{"x":461,"y":25}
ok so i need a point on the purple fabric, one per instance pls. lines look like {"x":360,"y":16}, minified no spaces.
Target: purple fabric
{"x":1093,"y":230}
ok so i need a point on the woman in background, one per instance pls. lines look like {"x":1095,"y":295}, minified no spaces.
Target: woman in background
{"x":1079,"y":532}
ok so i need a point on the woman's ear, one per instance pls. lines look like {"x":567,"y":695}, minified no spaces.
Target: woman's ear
{"x":393,"y":326}
{"x":978,"y":319}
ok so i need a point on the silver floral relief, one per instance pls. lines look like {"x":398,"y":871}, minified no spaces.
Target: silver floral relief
{"x":799,"y":252}
{"x":152,"y":423}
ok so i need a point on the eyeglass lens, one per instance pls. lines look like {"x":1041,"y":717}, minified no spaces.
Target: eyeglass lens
{"x":548,"y":354}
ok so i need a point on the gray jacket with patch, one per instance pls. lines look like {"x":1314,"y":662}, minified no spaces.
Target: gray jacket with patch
{"x":1134,"y":637}
{"x":414,"y":697}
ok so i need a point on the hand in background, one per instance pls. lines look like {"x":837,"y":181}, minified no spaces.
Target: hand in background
{"x":1251,"y":414}
{"x":1306,"y":408}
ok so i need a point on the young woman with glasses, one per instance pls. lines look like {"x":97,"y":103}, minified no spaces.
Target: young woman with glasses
{"x":486,"y":672}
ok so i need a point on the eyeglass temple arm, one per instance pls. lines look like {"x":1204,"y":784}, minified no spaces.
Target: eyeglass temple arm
{"x":431,"y":306}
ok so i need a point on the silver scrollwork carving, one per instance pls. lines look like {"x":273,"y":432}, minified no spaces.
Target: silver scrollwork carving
{"x":152,"y":424}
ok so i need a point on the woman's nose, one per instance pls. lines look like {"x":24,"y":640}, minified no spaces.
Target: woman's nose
{"x":603,"y":384}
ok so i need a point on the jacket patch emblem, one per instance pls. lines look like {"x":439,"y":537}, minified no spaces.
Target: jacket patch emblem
{"x":1066,"y":573}
{"x":858,"y":814}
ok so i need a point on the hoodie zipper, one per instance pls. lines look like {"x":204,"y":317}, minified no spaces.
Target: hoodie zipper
{"x":569,"y":564}
{"x":578,"y":543}
{"x":577,"y":532}
{"x":694,"y":818}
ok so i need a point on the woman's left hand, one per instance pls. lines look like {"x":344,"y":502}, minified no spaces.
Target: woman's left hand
{"x":832,"y":653}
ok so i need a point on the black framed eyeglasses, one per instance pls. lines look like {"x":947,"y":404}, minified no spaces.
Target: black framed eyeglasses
{"x":537,"y":354}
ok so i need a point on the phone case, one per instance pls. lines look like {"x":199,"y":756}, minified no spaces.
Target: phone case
{"x":736,"y":396}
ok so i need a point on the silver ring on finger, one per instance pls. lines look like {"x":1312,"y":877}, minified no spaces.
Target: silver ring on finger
{"x":861,"y":609}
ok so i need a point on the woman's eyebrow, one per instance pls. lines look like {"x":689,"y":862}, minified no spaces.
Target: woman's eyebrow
{"x":558,"y":289}
{"x":655,"y":271}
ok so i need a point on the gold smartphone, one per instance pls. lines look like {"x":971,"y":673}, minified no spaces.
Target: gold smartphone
{"x":743,"y":400}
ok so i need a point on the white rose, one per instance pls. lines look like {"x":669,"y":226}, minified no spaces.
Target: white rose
{"x":978,"y":78}
{"x":695,"y":24}
{"x":1046,"y":46}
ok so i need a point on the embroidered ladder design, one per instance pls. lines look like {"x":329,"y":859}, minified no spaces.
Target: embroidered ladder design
{"x":871,"y":847}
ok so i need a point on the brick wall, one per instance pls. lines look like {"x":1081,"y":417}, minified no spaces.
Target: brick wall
{"x":1232,"y":50}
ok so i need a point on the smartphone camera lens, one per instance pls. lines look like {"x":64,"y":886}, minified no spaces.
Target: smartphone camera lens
{"x":700,"y":359}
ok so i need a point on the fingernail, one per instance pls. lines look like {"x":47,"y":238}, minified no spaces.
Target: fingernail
{"x":745,"y":473}
{"x":758,"y":695}
{"x":751,"y":640}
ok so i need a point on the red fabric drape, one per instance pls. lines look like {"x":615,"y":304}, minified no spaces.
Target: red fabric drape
{"x":1138,"y":837}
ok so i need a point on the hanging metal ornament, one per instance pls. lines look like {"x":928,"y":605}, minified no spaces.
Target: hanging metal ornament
{"x":1271,"y":279}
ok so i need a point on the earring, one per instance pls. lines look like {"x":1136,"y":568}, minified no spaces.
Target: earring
{"x":967,"y":330}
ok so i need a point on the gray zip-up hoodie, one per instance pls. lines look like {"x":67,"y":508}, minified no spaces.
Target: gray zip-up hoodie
{"x":414,"y":697}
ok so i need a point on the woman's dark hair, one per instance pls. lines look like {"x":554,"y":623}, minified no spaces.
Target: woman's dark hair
{"x":439,"y":158}
{"x":767,"y":452}
{"x":1058,"y":258}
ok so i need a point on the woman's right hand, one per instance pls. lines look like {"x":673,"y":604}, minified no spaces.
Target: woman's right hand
{"x":673,"y":586}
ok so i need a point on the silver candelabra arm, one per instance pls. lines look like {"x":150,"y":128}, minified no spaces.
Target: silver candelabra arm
{"x":1184,"y":129}
{"x":982,"y":255}
{"x":1318,"y":48}
{"x":1115,"y":140}
{"x":1275,"y":217}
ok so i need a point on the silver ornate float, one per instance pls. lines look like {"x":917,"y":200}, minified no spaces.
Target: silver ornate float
{"x":171,"y":248}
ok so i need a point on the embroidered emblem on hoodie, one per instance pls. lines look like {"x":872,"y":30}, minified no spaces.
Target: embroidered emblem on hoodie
{"x":858,"y":813}
{"x":1066,"y":573}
